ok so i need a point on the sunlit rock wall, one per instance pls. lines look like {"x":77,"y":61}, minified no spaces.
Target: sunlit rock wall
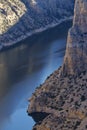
{"x":75,"y":60}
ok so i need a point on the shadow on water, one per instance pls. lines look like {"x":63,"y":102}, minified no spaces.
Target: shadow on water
{"x":24,"y":67}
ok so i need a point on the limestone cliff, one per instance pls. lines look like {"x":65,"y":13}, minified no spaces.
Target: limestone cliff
{"x":60,"y":103}
{"x":75,"y":60}
{"x":21,"y":18}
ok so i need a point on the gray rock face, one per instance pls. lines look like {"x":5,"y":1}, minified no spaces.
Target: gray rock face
{"x":21,"y":18}
{"x":75,"y":60}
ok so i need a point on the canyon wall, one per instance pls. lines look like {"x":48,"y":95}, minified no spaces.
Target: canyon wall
{"x":75,"y":60}
{"x":21,"y":18}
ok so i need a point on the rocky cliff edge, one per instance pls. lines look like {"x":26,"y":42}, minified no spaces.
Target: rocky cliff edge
{"x":75,"y":60}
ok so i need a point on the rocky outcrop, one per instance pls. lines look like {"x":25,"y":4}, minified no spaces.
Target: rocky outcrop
{"x":64,"y":102}
{"x":21,"y":18}
{"x":63,"y":96}
{"x":75,"y":60}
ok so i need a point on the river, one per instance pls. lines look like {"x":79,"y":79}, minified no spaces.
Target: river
{"x":23,"y":68}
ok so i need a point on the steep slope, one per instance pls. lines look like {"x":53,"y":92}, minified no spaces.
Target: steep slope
{"x":21,"y":18}
{"x":60,"y":103}
{"x":75,"y":60}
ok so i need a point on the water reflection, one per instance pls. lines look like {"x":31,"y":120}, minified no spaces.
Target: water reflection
{"x":22,"y":69}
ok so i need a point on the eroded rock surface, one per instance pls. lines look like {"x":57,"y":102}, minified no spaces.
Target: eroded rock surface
{"x":75,"y":60}
{"x":63,"y":96}
{"x":65,"y":101}
{"x":21,"y":18}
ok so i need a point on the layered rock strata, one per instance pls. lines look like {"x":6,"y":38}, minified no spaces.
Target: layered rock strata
{"x":60,"y":103}
{"x":22,"y":18}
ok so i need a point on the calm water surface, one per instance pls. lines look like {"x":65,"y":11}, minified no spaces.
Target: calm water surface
{"x":22,"y":69}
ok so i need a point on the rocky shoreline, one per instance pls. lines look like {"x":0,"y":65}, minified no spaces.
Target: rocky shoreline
{"x":60,"y":103}
{"x":12,"y":43}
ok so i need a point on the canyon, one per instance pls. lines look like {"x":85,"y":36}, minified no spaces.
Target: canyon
{"x":60,"y":103}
